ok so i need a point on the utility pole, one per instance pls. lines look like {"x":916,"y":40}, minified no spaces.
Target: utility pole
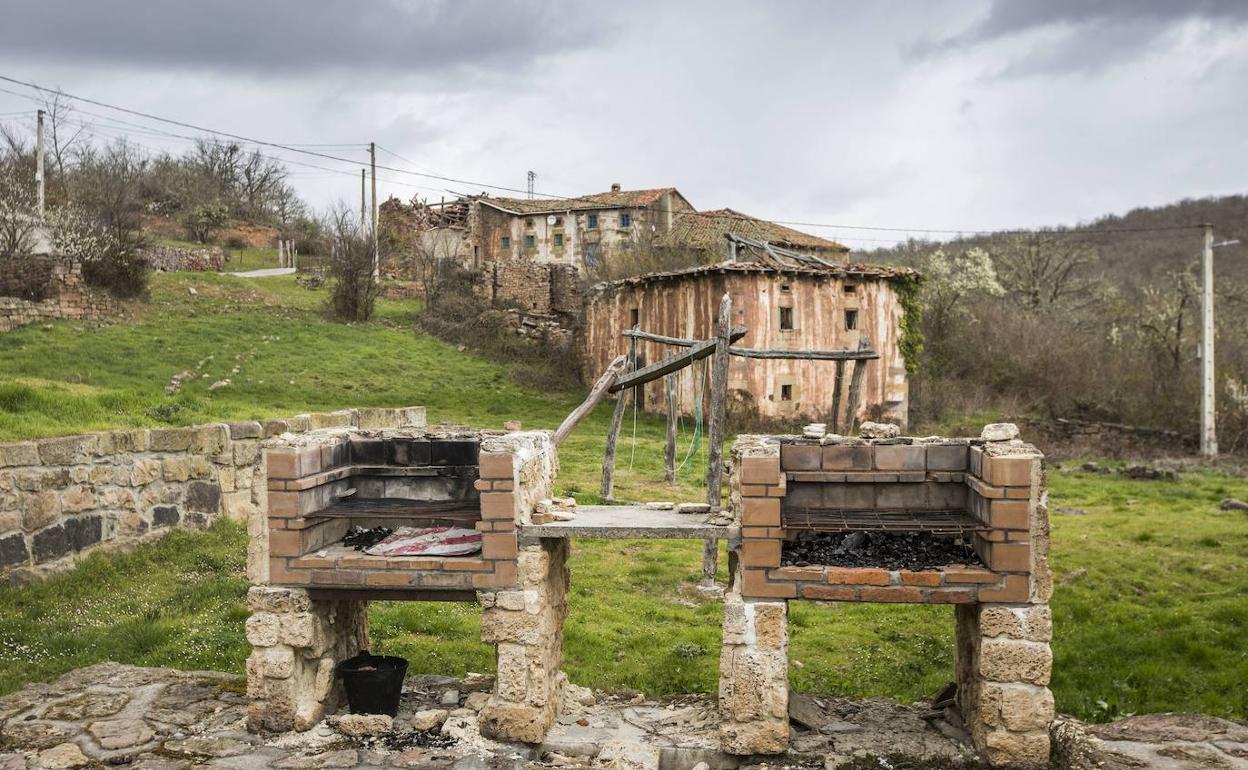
{"x":1208,"y":428}
{"x":363,"y":217}
{"x":372,"y":162}
{"x":39,"y":161}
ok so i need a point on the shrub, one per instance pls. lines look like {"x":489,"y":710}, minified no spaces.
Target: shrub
{"x":353,"y":289}
{"x":117,"y":267}
{"x":236,"y":241}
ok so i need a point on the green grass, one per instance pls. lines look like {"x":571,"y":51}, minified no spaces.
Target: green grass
{"x":251,"y":258}
{"x":1150,"y":606}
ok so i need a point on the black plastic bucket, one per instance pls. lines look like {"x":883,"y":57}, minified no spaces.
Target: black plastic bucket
{"x":373,"y":683}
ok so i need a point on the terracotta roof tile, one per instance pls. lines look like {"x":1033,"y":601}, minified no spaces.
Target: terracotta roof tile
{"x":603,"y":200}
{"x":706,"y":230}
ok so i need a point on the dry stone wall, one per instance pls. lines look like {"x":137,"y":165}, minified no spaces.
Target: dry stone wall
{"x":65,"y":298}
{"x":64,"y":497}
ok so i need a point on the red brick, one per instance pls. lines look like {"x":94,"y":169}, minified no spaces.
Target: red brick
{"x":504,"y":575}
{"x":504,"y":485}
{"x":800,"y":457}
{"x":760,"y":553}
{"x":753,"y":490}
{"x":859,"y":576}
{"x":338,"y":577}
{"x":496,"y":466}
{"x":461,"y":564}
{"x":775,"y":491}
{"x":282,"y":464}
{"x":830,"y":593}
{"x":483,"y":485}
{"x":1011,"y":557}
{"x":900,"y":457}
{"x":284,"y":504}
{"x":760,"y":511}
{"x":1017,"y":589}
{"x":848,"y":458}
{"x":891,"y":594}
{"x":949,"y":596}
{"x":498,"y":505}
{"x":499,"y":545}
{"x":391,"y":579}
{"x":969,"y":575}
{"x":1007,"y":471}
{"x":985,"y":490}
{"x":362,"y":561}
{"x":756,"y":584}
{"x":1018,"y":493}
{"x":924,"y":578}
{"x":1009,"y":514}
{"x":411,"y":564}
{"x":279,"y":574}
{"x":760,"y":470}
{"x":807,"y":574}
{"x":285,"y":542}
{"x":750,"y":532}
{"x":314,"y":562}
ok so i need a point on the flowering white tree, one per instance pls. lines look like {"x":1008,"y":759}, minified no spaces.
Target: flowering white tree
{"x":950,"y":277}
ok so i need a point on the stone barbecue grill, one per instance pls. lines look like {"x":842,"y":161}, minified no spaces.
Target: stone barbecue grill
{"x":309,"y":601}
{"x":991,"y":493}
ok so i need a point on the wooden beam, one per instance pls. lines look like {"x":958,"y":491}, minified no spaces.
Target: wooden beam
{"x":812,"y":355}
{"x":596,"y":394}
{"x":672,"y":363}
{"x":855,"y":390}
{"x":669,"y":446}
{"x":607,"y":489}
{"x":715,"y":431}
{"x":837,"y":385}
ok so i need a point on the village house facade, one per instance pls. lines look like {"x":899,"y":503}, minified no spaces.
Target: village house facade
{"x":814,"y":305}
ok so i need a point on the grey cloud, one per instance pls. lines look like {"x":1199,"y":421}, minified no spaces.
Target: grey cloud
{"x":1098,"y":33}
{"x":258,"y":37}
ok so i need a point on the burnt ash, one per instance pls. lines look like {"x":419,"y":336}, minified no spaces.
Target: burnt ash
{"x":361,"y":538}
{"x":399,"y":740}
{"x":888,"y":550}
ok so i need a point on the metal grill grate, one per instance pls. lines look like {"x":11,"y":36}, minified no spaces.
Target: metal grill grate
{"x":941,"y":522}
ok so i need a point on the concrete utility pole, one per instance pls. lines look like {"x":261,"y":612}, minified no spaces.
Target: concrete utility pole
{"x":1208,"y":413}
{"x":39,"y":160}
{"x":372,"y":162}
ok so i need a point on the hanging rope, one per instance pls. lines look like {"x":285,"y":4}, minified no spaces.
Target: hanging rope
{"x":695,"y":442}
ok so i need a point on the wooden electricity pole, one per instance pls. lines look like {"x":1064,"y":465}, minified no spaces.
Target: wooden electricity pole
{"x":1208,"y":412}
{"x":372,"y":163}
{"x":39,"y":160}
{"x":363,"y":205}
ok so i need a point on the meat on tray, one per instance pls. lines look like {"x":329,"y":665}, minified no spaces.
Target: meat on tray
{"x":428,"y":541}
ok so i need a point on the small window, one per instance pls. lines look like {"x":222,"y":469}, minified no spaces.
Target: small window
{"x":504,"y":242}
{"x":558,"y":239}
{"x":591,"y":221}
{"x":528,"y":223}
{"x":558,"y":221}
{"x":634,"y":317}
{"x":786,"y":319}
{"x":786,"y":392}
{"x":851,"y":288}
{"x":530,"y":241}
{"x":851,"y":319}
{"x":785,"y":288}
{"x":626,"y":220}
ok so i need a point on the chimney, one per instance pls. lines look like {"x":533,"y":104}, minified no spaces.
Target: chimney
{"x":615,"y":187}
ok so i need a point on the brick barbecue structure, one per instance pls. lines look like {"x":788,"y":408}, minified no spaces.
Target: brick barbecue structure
{"x":310,"y":591}
{"x":309,"y":605}
{"x":993,"y":492}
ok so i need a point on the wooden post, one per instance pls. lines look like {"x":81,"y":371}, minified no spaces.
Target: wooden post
{"x":715,"y":431}
{"x":613,"y":433}
{"x":837,"y":385}
{"x":596,"y":393}
{"x":855,"y":390}
{"x":669,"y":448}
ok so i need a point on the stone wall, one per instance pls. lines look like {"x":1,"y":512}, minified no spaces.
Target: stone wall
{"x":64,"y":297}
{"x":1063,"y":439}
{"x":63,"y":497}
{"x":537,"y":288}
{"x":168,"y":258}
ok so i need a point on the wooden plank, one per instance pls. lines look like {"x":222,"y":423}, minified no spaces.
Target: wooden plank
{"x":837,"y":385}
{"x":607,"y":490}
{"x":715,"y":431}
{"x":855,"y":391}
{"x":676,"y":341}
{"x":670,"y":364}
{"x":596,"y":394}
{"x":669,"y":446}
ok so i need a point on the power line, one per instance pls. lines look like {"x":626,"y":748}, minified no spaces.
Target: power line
{"x":289,"y":147}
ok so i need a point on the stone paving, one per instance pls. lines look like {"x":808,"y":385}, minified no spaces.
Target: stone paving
{"x":112,"y":715}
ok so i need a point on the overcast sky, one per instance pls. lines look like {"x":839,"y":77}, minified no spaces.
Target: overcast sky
{"x":953,"y":115}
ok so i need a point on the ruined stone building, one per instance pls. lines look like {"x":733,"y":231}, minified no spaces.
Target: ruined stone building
{"x":785,"y":304}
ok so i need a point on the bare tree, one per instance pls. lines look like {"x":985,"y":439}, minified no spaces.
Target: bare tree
{"x":1040,"y":269}
{"x":354,"y":290}
{"x":65,"y":134}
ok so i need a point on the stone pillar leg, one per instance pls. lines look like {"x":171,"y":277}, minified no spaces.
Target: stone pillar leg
{"x":1003,"y":669}
{"x":526,"y":625}
{"x":296,"y":643}
{"x":754,"y":677}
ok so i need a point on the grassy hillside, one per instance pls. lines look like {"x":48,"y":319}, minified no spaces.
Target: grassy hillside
{"x":1151,"y":601}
